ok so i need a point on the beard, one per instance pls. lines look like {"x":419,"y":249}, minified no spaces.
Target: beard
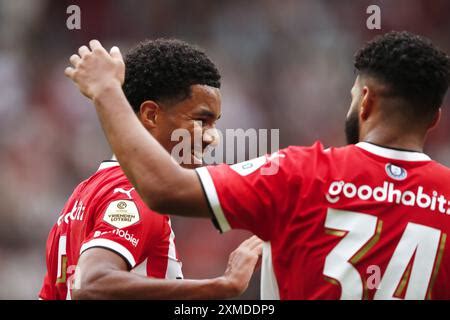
{"x":352,"y":128}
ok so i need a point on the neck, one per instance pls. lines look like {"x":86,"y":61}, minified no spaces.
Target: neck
{"x":388,"y":138}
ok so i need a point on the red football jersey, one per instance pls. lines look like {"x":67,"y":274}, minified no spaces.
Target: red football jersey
{"x":105,"y":211}
{"x":357,"y":222}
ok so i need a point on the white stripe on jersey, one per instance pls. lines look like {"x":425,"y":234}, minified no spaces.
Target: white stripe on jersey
{"x":173,"y":265}
{"x":213,"y":199}
{"x":106,"y":243}
{"x":269,"y":284}
{"x":393,"y":153}
{"x":141,"y":268}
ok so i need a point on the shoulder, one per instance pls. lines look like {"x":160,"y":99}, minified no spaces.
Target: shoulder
{"x":108,"y":183}
{"x":315,"y":154}
{"x":440,"y":167}
{"x":318,"y":148}
{"x":439,"y":174}
{"x":113,"y":184}
{"x":119,"y":203}
{"x":309,"y":163}
{"x":109,"y":188}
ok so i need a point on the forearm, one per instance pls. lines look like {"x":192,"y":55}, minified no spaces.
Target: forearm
{"x":125,"y":285}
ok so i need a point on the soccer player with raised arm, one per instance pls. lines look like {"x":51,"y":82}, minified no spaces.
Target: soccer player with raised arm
{"x":107,"y":244}
{"x":366,"y":221}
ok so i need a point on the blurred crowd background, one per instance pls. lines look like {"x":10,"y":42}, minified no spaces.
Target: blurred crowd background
{"x":285,"y":64}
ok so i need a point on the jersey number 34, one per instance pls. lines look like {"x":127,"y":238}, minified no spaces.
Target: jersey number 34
{"x":360,"y":233}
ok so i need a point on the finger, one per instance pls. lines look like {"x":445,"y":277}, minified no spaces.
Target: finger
{"x":254,"y":242}
{"x":255,"y":238}
{"x":83,"y":50}
{"x":247,"y":243}
{"x":115,"y":53}
{"x":250,"y":243}
{"x":258,"y":249}
{"x":69,"y":71}
{"x":96,"y":45}
{"x":74,"y":59}
{"x":258,"y":244}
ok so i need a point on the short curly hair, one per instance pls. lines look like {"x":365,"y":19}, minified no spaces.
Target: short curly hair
{"x":411,"y":66}
{"x":163,"y":70}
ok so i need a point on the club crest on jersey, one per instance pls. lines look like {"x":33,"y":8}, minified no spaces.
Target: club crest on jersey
{"x":396,"y":172}
{"x":121,"y":214}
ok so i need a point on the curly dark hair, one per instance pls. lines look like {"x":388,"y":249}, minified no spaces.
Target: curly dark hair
{"x":412,"y":67}
{"x":163,"y":70}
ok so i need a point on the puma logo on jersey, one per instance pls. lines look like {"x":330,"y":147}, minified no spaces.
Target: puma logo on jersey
{"x":128,"y":193}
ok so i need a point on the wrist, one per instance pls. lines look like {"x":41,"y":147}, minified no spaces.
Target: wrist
{"x":227,"y":288}
{"x":106,"y":91}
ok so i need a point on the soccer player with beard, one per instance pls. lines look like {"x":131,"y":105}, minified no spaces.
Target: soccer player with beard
{"x":366,"y":221}
{"x":107,"y":243}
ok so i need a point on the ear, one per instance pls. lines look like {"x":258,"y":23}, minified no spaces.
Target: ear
{"x":436,"y":120}
{"x":367,"y":102}
{"x":148,"y":113}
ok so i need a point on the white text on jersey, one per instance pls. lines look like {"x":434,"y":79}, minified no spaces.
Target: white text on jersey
{"x":77,"y":213}
{"x":388,"y":193}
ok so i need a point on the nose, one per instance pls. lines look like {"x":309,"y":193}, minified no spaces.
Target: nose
{"x":211,"y":137}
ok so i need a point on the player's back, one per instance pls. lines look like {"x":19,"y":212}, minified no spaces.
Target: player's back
{"x":357,"y":222}
{"x":362,"y":222}
{"x":105,"y":211}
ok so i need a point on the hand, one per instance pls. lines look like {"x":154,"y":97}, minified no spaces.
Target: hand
{"x":241,"y":264}
{"x":95,"y":70}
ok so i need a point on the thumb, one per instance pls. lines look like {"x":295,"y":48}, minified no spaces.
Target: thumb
{"x":115,"y":53}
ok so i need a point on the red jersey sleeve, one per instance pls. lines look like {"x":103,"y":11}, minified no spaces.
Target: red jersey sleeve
{"x":46,"y":292}
{"x":121,"y":226}
{"x":257,"y":195}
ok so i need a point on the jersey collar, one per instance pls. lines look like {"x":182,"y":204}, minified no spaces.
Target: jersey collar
{"x":109,"y":163}
{"x":393,"y":153}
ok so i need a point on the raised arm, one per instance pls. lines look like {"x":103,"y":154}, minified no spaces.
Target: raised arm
{"x":164,"y":185}
{"x":103,"y":274}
